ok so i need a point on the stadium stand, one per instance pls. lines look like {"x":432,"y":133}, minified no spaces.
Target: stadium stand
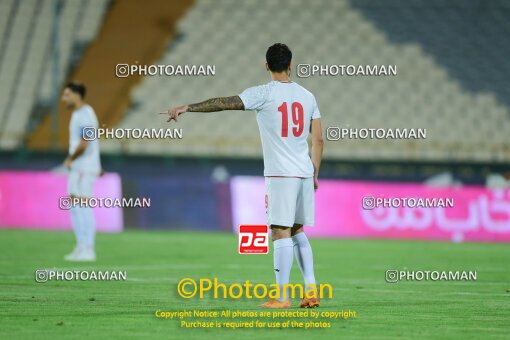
{"x":435,"y":89}
{"x":126,"y":35}
{"x":469,"y":38}
{"x":460,"y":125}
{"x":25,"y":60}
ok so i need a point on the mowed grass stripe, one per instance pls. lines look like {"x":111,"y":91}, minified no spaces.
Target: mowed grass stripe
{"x":155,"y":261}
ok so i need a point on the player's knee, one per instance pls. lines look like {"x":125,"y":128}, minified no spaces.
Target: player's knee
{"x":296,"y":229}
{"x":79,"y":200}
{"x":279,"y":232}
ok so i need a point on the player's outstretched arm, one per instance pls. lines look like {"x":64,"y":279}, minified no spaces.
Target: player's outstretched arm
{"x":209,"y":105}
{"x":317,"y":148}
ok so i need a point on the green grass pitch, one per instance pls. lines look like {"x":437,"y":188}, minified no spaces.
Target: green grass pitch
{"x":156,"y":261}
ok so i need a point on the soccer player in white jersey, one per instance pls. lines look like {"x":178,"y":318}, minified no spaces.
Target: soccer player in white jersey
{"x":286,"y":114}
{"x":84,"y":167}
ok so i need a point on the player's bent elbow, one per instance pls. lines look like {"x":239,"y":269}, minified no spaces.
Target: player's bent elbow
{"x":318,"y":141}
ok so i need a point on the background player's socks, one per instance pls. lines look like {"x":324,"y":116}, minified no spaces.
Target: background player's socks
{"x":78,"y":228}
{"x":304,"y":257}
{"x":89,"y":227}
{"x":283,"y":258}
{"x":77,"y":224}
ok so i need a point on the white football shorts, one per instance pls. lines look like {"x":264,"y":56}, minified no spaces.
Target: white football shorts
{"x":289,"y":201}
{"x":80,"y":184}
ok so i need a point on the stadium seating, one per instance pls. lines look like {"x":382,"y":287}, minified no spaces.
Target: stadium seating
{"x":25,"y":55}
{"x":465,"y":109}
{"x":461,"y":124}
{"x":126,"y":35}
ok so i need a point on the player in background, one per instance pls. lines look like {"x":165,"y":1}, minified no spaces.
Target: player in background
{"x":286,"y":113}
{"x":84,"y":167}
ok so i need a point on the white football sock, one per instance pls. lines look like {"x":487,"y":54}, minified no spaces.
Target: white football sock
{"x":304,"y":257}
{"x":89,"y":226}
{"x":77,"y":224}
{"x":283,"y":259}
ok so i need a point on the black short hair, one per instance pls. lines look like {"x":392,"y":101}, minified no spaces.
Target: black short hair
{"x":278,"y":57}
{"x":77,"y":88}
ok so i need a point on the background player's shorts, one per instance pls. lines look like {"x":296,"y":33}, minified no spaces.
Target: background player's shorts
{"x":289,"y":200}
{"x":80,"y":184}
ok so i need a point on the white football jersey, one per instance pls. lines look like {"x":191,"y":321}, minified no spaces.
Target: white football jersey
{"x":89,"y":161}
{"x":284,"y":114}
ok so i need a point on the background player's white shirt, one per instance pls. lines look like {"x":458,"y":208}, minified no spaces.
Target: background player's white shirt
{"x":284,"y":114}
{"x":88,"y":161}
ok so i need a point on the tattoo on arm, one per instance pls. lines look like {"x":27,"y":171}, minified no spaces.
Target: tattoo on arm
{"x":217,"y":104}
